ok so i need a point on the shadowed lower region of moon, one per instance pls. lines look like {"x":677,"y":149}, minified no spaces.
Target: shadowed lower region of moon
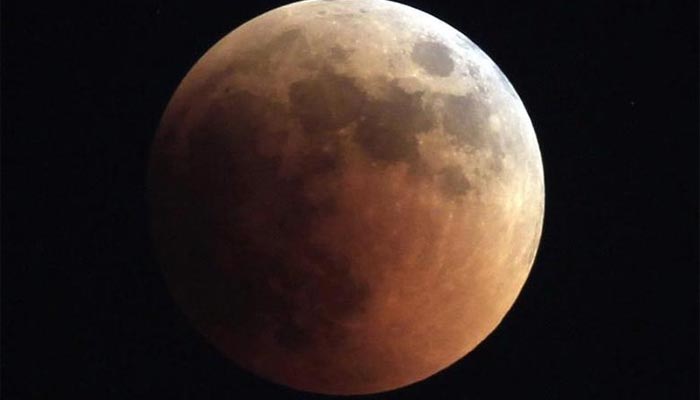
{"x":347,"y":196}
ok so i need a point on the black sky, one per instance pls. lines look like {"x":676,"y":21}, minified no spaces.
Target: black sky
{"x":610,"y":309}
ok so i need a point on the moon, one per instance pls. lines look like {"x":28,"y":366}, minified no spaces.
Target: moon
{"x":347,"y":196}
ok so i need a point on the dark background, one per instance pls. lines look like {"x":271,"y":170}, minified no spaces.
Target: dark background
{"x":610,"y":309}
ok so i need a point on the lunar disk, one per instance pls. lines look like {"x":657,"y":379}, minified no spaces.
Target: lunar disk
{"x":347,"y":196}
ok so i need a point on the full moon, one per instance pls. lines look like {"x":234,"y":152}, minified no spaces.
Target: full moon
{"x":347,"y":196}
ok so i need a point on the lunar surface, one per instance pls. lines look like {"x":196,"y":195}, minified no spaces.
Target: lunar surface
{"x":347,"y":196}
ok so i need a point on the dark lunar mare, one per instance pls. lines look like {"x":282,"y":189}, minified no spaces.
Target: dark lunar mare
{"x":273,"y":278}
{"x":433,"y":57}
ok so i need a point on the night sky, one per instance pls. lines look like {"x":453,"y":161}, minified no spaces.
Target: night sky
{"x":610,"y":309}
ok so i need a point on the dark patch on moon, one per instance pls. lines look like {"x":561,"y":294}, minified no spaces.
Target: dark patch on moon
{"x":465,"y":119}
{"x":453,"y":182}
{"x":334,"y":282}
{"x":283,"y":41}
{"x":272,"y":278}
{"x":339,"y":54}
{"x":386,"y":127}
{"x":433,"y":57}
{"x":390,"y":124}
{"x":326,"y":102}
{"x":322,"y":292}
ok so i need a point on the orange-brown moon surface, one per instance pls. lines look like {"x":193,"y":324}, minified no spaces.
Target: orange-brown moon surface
{"x":347,"y":196}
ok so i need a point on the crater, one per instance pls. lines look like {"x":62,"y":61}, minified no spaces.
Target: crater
{"x":433,"y":57}
{"x":474,"y":71}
